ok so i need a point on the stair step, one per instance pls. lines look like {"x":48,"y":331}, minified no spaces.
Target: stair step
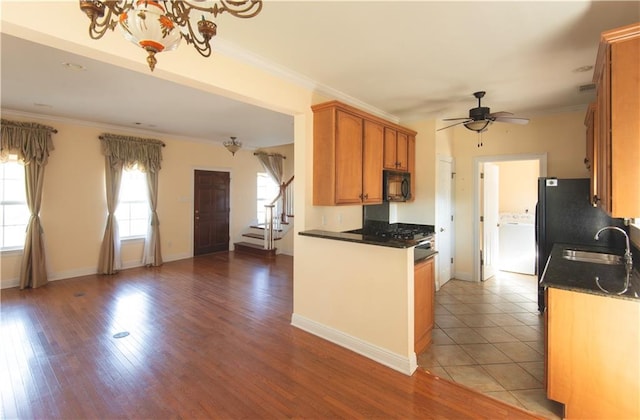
{"x":253,"y":249}
{"x":261,"y":227}
{"x":257,"y":236}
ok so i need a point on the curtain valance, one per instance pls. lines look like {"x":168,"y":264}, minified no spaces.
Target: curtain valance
{"x":129,"y":151}
{"x":30,"y":141}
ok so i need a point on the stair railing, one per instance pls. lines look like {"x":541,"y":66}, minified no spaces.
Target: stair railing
{"x":283,"y":205}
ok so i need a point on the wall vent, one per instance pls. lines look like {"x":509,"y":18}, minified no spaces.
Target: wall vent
{"x":587,"y":88}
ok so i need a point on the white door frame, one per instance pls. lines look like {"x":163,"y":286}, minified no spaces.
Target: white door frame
{"x":452,"y":232}
{"x":477,"y":161}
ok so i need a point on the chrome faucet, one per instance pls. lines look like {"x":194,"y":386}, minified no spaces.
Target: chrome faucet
{"x":627,"y":253}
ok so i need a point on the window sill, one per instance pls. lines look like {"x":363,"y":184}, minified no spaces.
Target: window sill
{"x":132,"y":239}
{"x":11,"y":251}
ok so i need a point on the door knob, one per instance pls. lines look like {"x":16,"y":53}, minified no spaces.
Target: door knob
{"x":441,"y":229}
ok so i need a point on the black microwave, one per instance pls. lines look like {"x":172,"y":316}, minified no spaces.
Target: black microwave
{"x":396,"y":186}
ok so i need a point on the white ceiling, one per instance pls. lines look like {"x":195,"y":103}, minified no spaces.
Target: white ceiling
{"x":405,"y":60}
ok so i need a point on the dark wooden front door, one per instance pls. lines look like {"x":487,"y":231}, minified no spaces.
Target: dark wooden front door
{"x":211,"y":212}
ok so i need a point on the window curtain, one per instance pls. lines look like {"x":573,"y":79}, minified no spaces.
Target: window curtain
{"x":32,"y":143}
{"x":124,"y":152}
{"x":152,"y":255}
{"x":273,"y":163}
{"x":109,"y":261}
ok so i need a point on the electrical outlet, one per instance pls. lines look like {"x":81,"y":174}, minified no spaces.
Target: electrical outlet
{"x":324,"y":220}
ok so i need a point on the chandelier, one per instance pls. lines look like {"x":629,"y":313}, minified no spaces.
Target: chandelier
{"x":158,"y":25}
{"x":233,"y":146}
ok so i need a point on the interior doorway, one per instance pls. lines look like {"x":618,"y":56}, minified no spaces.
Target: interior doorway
{"x":489,"y":207}
{"x":210,"y":212}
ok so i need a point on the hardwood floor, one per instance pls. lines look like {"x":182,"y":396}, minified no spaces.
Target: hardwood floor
{"x":209,"y":337}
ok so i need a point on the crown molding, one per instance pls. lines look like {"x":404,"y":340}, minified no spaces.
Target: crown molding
{"x":116,"y":129}
{"x":233,"y":51}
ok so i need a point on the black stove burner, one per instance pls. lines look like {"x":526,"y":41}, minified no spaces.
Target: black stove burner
{"x":398,"y":231}
{"x":401,"y":234}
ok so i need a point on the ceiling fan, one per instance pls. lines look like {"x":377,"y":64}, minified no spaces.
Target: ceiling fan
{"x":481,"y":117}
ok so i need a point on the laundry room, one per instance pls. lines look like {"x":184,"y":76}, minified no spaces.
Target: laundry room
{"x":517,"y":203}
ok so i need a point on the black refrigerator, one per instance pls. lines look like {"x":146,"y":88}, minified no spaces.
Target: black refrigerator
{"x":564,"y":214}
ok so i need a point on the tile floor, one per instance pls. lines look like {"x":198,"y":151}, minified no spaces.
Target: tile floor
{"x":490,"y":337}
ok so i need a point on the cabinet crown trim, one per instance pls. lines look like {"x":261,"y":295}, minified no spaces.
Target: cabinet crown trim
{"x":353,"y":110}
{"x":610,"y":37}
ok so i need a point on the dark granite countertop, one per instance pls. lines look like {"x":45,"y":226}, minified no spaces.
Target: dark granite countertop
{"x":419,"y":254}
{"x":359,"y":238}
{"x":587,"y":277}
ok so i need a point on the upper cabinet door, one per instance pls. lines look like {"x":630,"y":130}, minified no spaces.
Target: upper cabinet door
{"x":396,"y":149}
{"x":390,"y":139}
{"x":348,"y":158}
{"x":372,"y":153}
{"x":616,"y":125}
{"x":402,"y":150}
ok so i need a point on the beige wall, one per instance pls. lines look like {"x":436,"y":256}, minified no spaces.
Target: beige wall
{"x":374,"y":285}
{"x":560,"y":136}
{"x":423,"y":209}
{"x":74,"y":205}
{"x":518,"y":186}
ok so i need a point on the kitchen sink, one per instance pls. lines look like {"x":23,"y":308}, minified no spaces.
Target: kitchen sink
{"x":592,"y":257}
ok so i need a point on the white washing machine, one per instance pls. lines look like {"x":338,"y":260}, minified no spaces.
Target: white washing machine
{"x":517,"y":244}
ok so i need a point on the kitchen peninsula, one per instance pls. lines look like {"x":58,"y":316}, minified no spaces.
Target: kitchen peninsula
{"x":360,"y":294}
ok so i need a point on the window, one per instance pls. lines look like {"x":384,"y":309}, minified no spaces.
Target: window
{"x":133,"y":204}
{"x":267,"y":191}
{"x":14,"y":212}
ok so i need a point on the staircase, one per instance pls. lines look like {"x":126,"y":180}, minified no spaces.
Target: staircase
{"x":260,"y":238}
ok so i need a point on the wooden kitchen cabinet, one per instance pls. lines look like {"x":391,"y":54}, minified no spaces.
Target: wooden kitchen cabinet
{"x":616,"y":123}
{"x":396,"y":150}
{"x":590,"y":155}
{"x":348,"y":158}
{"x":371,"y":164}
{"x":424,"y":303}
{"x":348,"y":152}
{"x":592,"y":354}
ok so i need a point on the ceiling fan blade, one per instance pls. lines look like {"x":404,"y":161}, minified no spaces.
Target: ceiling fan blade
{"x":453,"y":125}
{"x":454,"y":119}
{"x":512,"y":120}
{"x":500,"y":114}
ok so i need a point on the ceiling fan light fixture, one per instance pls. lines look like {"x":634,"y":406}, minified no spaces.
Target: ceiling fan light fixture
{"x":477,"y":126}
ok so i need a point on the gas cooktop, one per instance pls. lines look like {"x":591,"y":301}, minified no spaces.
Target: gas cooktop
{"x":397,"y":231}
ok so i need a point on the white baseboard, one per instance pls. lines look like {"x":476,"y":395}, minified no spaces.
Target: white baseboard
{"x":176,"y":257}
{"x":9,"y":283}
{"x":69,"y":274}
{"x":87,"y":271}
{"x":406,"y":365}
{"x":463,"y":276}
